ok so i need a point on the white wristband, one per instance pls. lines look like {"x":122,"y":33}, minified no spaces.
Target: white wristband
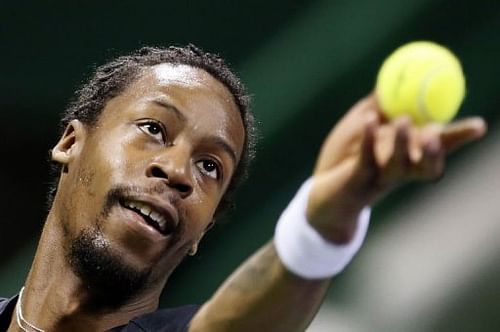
{"x":303,"y":250}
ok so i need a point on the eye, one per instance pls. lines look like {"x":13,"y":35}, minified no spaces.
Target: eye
{"x":154,"y":129}
{"x":209,"y":168}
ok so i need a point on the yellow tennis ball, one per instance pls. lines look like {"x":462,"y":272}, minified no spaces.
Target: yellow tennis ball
{"x":421,"y":79}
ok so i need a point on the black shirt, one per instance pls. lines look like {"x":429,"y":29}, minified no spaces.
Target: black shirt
{"x":163,"y":320}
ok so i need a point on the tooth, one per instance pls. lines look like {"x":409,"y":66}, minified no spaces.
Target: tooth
{"x":139,"y":205}
{"x":155,"y":216}
{"x":161,"y":221}
{"x":146,"y":210}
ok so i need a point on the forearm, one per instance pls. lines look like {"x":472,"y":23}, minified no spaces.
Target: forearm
{"x":262,"y":296}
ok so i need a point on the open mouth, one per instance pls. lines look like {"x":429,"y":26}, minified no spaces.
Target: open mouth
{"x":150,"y":215}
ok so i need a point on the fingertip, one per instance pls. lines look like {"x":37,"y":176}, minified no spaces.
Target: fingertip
{"x":371,"y":96}
{"x":372,"y":119}
{"x":433,"y":148}
{"x":479,"y":125}
{"x":368,"y":103}
{"x":404,"y":121}
{"x":476,"y":125}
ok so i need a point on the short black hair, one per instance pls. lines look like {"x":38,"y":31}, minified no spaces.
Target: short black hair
{"x":113,"y":78}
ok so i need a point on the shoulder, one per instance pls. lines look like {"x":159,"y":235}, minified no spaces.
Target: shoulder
{"x":164,"y":320}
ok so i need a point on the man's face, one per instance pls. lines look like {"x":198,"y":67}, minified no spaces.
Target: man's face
{"x":146,"y":180}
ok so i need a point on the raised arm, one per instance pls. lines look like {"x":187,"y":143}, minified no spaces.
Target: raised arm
{"x":364,"y":157}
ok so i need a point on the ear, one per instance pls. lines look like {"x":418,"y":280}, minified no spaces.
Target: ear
{"x":70,"y":143}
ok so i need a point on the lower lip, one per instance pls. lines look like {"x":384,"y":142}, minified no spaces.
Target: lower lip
{"x":138,"y":224}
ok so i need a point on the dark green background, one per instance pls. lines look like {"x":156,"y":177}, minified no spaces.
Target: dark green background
{"x":304,"y":62}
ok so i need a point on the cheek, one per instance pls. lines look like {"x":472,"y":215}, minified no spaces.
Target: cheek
{"x":198,"y":215}
{"x":108,"y":163}
{"x":91,"y":180}
{"x":86,"y":180}
{"x":87,"y":186}
{"x":93,"y":175}
{"x":78,"y":198}
{"x":122,"y":160}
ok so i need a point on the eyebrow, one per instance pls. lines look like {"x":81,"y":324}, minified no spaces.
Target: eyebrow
{"x":170,"y":107}
{"x":221,"y":143}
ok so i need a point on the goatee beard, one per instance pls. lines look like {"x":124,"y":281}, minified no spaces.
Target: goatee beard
{"x":110,"y":280}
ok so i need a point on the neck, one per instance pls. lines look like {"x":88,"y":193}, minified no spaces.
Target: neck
{"x":55,"y":299}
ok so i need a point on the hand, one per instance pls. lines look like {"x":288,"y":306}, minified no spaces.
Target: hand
{"x":365,"y":156}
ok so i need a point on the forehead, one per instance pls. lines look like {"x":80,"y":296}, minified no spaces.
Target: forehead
{"x":197,"y":84}
{"x":194,"y":84}
{"x":182,"y":75}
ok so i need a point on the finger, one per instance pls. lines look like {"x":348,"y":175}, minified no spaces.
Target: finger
{"x":423,"y":136}
{"x":461,"y":132}
{"x":367,"y":103}
{"x":431,"y":165}
{"x":394,"y":161}
{"x":367,"y":167}
{"x":368,"y":159}
{"x":401,"y":154}
{"x":382,"y":115}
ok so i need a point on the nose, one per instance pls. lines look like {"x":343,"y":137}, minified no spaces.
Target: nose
{"x":173,"y":167}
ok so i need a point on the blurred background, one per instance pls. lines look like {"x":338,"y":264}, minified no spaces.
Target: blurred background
{"x":432,"y":259}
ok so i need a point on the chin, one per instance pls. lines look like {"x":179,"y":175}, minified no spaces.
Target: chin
{"x":110,"y":278}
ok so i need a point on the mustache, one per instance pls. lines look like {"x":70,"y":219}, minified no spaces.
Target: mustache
{"x":130,"y":190}
{"x":118,"y":193}
{"x":121,"y":191}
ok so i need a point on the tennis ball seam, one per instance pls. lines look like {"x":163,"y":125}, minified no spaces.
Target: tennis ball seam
{"x":422,"y":106}
{"x":423,"y":80}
